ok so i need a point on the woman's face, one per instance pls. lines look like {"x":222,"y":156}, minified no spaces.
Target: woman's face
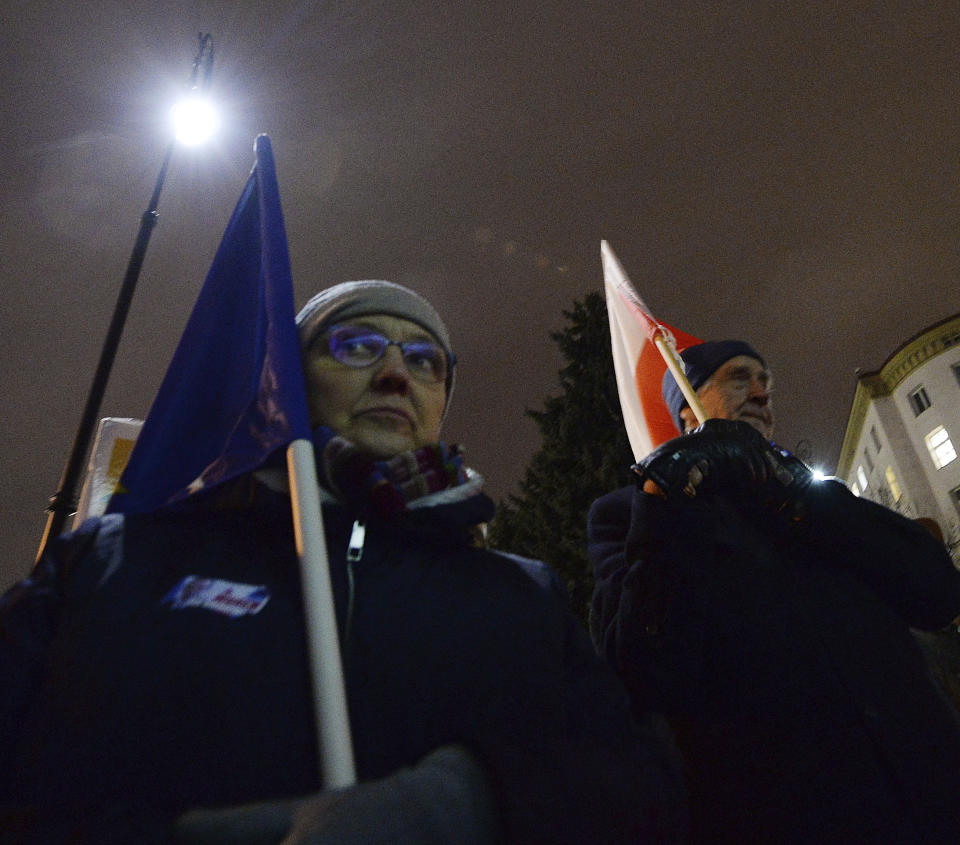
{"x":382,"y":408}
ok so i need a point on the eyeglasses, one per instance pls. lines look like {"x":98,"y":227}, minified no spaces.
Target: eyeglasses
{"x":359,"y":346}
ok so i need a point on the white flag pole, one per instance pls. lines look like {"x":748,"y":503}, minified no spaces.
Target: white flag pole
{"x":675,"y":364}
{"x":326,"y":668}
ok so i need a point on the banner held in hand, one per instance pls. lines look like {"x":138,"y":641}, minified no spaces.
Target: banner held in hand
{"x":234,"y":392}
{"x":643,"y":348}
{"x":233,"y":395}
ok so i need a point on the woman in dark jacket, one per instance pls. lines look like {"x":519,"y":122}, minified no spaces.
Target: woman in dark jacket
{"x":155,"y":671}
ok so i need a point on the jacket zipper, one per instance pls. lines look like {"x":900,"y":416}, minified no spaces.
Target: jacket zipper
{"x":354,"y":552}
{"x":357,"y":536}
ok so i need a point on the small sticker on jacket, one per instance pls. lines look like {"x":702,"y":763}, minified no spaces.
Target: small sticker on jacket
{"x":226,"y":597}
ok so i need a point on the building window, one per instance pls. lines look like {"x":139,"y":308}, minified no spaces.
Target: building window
{"x":919,"y":401}
{"x":895,"y":490}
{"x":940,"y":448}
{"x":862,"y":479}
{"x":868,"y":459}
{"x":855,"y":488}
{"x":955,"y":495}
{"x":876,"y":437}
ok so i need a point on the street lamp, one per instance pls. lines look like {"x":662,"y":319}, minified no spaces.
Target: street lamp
{"x":194,"y":118}
{"x":194,"y":121}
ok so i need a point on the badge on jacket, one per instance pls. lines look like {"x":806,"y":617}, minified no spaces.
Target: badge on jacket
{"x":226,"y":597}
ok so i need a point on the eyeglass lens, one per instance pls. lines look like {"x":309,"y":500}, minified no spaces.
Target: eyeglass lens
{"x":357,"y":346}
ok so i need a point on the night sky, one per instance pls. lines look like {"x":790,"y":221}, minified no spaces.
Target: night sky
{"x":786,"y":173}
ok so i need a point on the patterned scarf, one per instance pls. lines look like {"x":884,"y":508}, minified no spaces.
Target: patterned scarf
{"x":383,"y":488}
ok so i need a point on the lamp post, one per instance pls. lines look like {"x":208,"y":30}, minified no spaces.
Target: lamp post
{"x":63,"y":502}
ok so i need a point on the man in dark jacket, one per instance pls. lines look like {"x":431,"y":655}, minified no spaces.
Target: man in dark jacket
{"x":154,"y":666}
{"x":768,"y":616}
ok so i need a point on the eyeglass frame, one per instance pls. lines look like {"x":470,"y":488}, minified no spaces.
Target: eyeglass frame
{"x":450,"y":359}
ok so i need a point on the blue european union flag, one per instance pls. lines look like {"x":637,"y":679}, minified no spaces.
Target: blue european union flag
{"x":234,"y":391}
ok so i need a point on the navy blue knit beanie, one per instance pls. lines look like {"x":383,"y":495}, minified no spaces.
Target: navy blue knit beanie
{"x":700,"y":362}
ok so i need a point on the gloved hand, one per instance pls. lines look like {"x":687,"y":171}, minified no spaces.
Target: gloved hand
{"x":730,"y":459}
{"x":265,"y":823}
{"x":444,"y":798}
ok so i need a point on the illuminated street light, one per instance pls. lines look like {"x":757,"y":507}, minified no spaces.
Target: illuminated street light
{"x":63,"y":502}
{"x":195,"y":120}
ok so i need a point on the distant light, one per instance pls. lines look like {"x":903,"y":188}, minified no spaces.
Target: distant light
{"x":194,"y":120}
{"x":819,"y":475}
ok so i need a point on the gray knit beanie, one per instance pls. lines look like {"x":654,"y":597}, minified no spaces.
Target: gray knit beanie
{"x":357,"y":299}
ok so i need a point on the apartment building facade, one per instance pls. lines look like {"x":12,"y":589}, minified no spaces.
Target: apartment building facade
{"x":902,"y":440}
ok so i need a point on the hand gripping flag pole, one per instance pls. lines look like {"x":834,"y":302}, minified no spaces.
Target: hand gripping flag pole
{"x":232,"y":396}
{"x":643,"y":348}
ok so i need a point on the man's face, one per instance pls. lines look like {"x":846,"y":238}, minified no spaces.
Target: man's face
{"x":380,"y":408}
{"x":738,"y":390}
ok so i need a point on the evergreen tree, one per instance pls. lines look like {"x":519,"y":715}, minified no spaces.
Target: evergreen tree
{"x":584,"y":454}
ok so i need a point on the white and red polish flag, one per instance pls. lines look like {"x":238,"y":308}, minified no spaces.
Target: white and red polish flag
{"x":643,"y":347}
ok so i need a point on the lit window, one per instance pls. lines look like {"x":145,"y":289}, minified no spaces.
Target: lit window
{"x":862,"y":479}
{"x":919,"y":401}
{"x":868,"y":459}
{"x":855,"y":488}
{"x":876,"y":437}
{"x":940,"y":448}
{"x":892,"y":484}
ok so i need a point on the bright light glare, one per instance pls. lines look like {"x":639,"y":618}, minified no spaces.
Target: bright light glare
{"x":194,"y":121}
{"x":818,"y":475}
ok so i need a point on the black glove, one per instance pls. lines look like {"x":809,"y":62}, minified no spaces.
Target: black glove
{"x":730,"y":459}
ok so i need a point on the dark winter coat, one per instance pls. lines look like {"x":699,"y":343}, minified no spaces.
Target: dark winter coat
{"x":123,"y":705}
{"x":782,"y":656}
